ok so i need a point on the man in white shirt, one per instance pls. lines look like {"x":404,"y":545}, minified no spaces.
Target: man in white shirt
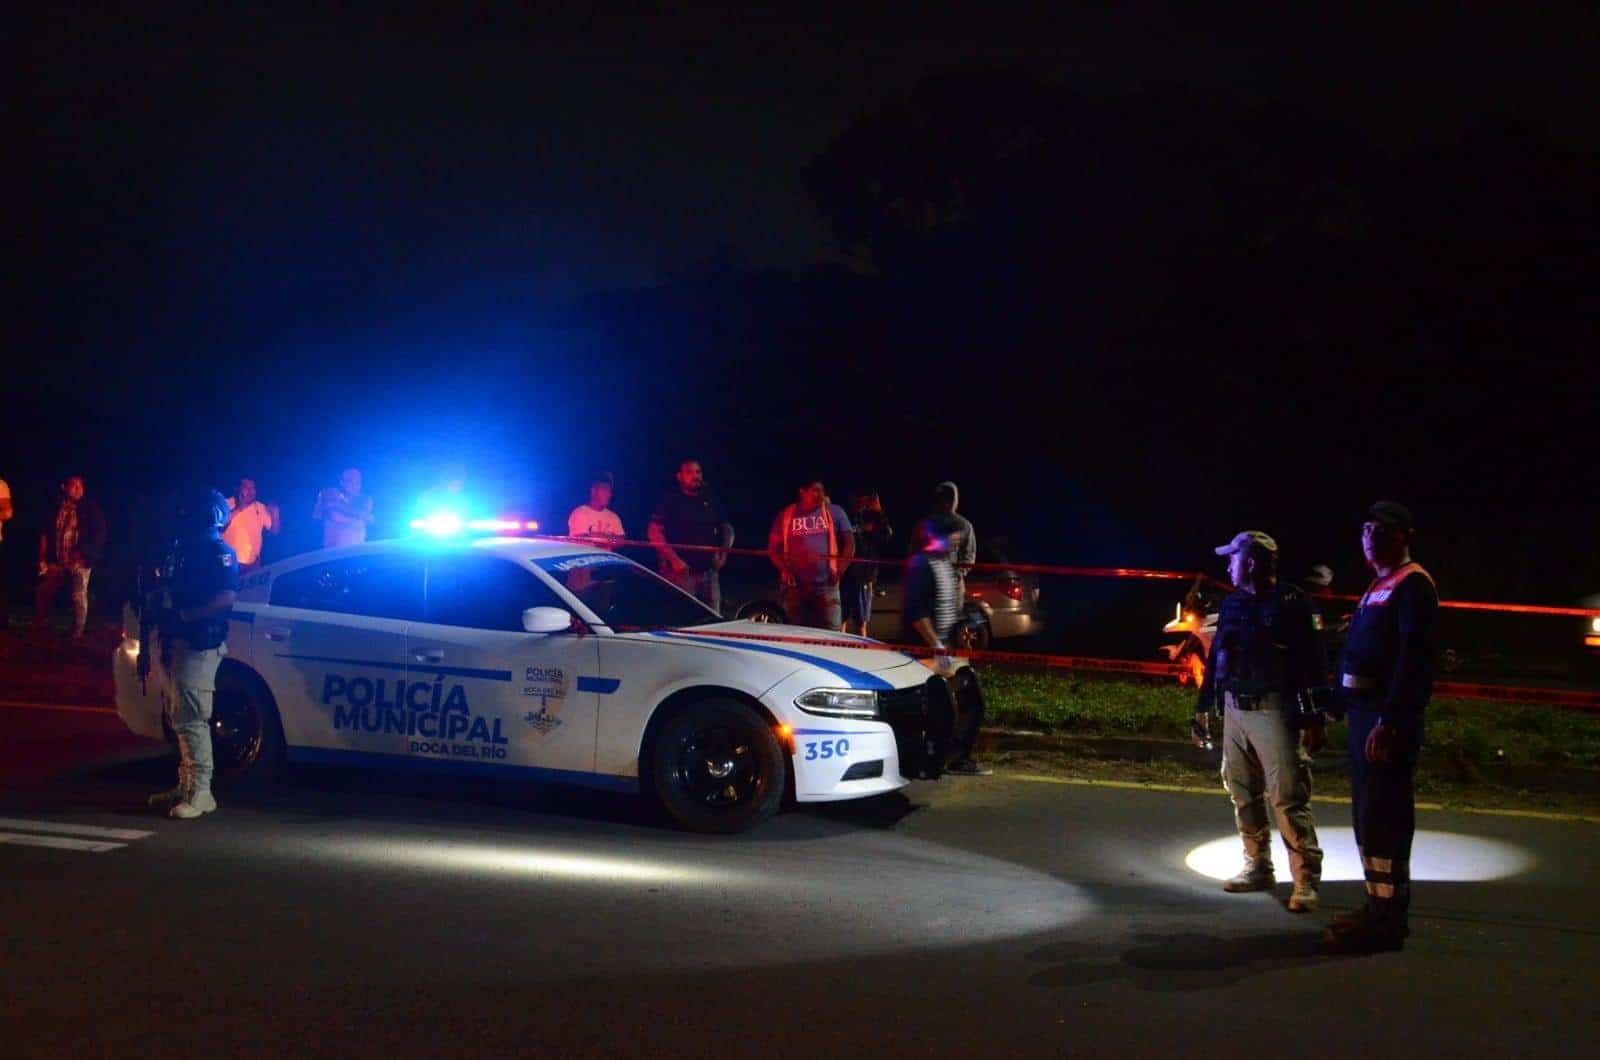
{"x":247,"y":519}
{"x":595,"y":522}
{"x":344,"y":511}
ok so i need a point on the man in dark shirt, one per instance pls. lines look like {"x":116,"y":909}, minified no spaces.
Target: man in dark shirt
{"x":691,"y":515}
{"x":929,"y":617}
{"x":200,"y":578}
{"x":1385,"y":682}
{"x":872,"y":534}
{"x":1266,"y":662}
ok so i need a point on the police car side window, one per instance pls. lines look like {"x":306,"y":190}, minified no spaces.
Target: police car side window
{"x":374,"y":586}
{"x":483,"y":592}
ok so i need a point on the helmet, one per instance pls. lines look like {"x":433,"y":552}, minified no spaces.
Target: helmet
{"x":203,"y":508}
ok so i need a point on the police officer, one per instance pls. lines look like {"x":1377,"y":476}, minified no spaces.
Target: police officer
{"x":1386,"y":679}
{"x":198,"y":580}
{"x":1268,"y":669}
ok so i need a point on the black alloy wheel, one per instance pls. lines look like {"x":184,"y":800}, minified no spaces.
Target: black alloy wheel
{"x":245,"y":738}
{"x":718,"y":767}
{"x":974,"y":633}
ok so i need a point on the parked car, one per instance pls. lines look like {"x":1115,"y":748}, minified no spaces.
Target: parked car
{"x":1000,"y":604}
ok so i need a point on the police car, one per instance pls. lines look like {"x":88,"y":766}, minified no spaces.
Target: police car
{"x":553,"y":660}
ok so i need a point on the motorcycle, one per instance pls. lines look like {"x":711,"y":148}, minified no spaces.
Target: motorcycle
{"x":1194,"y":623}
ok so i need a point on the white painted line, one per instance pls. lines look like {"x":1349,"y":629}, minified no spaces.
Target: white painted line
{"x":22,"y":825}
{"x":88,"y":846}
{"x":65,"y":708}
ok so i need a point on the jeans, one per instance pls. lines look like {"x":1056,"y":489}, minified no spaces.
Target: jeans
{"x":856,"y":597}
{"x":191,"y":684}
{"x":703,"y":585}
{"x":1262,"y":761}
{"x":56,"y":575}
{"x":812,"y":605}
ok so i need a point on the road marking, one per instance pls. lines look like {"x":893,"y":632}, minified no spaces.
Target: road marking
{"x":1083,"y":782}
{"x":90,"y":846}
{"x":25,"y":704}
{"x":24,"y":825}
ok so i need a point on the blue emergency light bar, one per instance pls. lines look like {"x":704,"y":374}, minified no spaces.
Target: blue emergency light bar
{"x":448,"y":524}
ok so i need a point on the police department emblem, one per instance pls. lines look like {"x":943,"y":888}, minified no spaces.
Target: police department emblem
{"x":547,"y":684}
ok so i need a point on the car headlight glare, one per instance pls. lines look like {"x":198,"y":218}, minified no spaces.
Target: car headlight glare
{"x":839,"y":702}
{"x":1594,"y":624}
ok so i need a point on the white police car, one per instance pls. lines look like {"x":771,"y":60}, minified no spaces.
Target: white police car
{"x":553,"y":660}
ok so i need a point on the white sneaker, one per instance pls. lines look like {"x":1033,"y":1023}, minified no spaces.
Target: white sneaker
{"x":197,"y":805}
{"x":1253,"y":878}
{"x":165,"y":800}
{"x":1304,"y":898}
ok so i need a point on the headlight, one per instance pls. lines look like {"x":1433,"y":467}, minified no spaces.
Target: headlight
{"x":1594,"y":624}
{"x":839,"y":703}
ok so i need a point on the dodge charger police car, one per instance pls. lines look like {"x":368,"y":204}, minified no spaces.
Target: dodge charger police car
{"x":552,"y":660}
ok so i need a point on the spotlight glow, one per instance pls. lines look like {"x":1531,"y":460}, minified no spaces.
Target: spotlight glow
{"x":1439,"y":856}
{"x":525,"y":861}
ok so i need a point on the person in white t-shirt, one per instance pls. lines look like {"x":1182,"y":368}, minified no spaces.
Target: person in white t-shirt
{"x":595,"y":522}
{"x":247,"y":519}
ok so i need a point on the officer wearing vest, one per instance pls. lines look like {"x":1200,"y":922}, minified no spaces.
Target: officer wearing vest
{"x":1386,"y":679}
{"x":1267,"y":671}
{"x":197,"y":582}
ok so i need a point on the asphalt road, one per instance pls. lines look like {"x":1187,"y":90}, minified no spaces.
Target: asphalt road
{"x":356,"y":914}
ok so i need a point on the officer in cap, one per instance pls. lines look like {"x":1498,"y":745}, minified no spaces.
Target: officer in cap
{"x":1386,"y":679}
{"x":1267,"y":671}
{"x":198,"y":579}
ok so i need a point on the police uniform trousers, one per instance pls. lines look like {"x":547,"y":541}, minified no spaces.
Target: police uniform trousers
{"x":1383,"y":812}
{"x":1262,"y":761}
{"x":191,"y":683}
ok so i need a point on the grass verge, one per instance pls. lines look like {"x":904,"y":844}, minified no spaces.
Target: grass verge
{"x":1476,"y":753}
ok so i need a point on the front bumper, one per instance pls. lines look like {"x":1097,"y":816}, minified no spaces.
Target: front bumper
{"x":138,"y":705}
{"x":846,"y":758}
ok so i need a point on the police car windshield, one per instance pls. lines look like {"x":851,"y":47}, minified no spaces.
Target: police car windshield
{"x":626,"y":596}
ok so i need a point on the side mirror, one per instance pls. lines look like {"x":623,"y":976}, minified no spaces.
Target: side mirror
{"x":546,"y":620}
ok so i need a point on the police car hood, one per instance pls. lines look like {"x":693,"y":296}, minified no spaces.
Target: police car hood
{"x":833,"y":651}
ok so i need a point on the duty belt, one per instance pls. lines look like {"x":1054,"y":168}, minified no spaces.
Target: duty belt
{"x":1358,"y":681}
{"x":1239,"y":701}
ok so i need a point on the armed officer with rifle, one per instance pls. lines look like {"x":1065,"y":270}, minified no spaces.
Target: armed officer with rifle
{"x":186,"y":608}
{"x":1268,"y":672}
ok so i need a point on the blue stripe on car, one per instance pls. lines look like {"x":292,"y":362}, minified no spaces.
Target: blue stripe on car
{"x":857,"y":678}
{"x":603,"y":685}
{"x":422,"y":668}
{"x":331,"y":757}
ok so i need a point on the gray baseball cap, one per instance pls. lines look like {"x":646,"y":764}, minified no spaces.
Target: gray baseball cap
{"x":1245,"y":539}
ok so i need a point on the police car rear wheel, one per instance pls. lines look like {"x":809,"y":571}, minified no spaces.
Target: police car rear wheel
{"x":245,"y":738}
{"x":718,"y":767}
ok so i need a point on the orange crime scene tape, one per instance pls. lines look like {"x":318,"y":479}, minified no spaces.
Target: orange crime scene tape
{"x":1576,"y":698}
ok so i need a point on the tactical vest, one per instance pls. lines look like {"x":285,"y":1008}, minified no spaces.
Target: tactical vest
{"x":1252,"y":654}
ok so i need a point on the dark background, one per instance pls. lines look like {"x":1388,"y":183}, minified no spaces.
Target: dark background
{"x":1135,"y":276}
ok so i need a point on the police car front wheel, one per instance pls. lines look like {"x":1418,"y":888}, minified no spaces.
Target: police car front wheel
{"x":718,"y":767}
{"x":246,"y":740}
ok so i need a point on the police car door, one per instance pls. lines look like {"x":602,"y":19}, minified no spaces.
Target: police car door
{"x":331,"y":646}
{"x":506,"y":696}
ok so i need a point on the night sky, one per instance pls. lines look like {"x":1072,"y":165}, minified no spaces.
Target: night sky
{"x":278,"y":243}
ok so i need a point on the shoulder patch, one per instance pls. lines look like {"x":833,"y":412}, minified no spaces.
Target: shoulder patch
{"x":227,"y":559}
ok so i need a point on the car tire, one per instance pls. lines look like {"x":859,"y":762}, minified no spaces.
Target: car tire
{"x":717,"y":766}
{"x":246,"y":734}
{"x":762,"y":611}
{"x":977,"y":635}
